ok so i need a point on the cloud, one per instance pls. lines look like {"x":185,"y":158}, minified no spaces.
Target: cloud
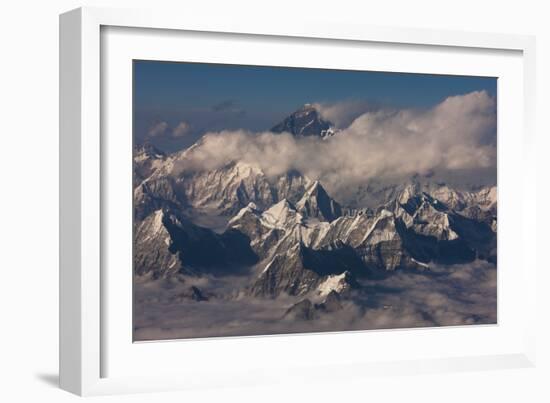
{"x":181,"y":130}
{"x":457,"y":134}
{"x":163,"y":130}
{"x":158,"y":129}
{"x":446,"y":296}
{"x":342,"y":114}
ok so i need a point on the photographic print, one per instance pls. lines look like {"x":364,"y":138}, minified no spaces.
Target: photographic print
{"x":276,"y":200}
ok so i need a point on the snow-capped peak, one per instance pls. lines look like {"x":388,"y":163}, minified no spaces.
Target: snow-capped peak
{"x":487,"y":197}
{"x":281,"y":214}
{"x":244,"y":170}
{"x":147,"y":150}
{"x":306,"y":121}
{"x":250,"y":208}
{"x":410,"y":190}
{"x":316,"y":203}
{"x":336,"y":282}
{"x":313,"y":189}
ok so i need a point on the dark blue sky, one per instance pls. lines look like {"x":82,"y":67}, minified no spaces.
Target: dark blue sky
{"x":216,"y":97}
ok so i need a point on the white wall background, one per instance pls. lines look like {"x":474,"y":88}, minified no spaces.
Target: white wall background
{"x":29,"y":201}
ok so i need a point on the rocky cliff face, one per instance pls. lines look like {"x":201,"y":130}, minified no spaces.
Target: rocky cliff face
{"x":152,"y":254}
{"x":316,"y":203}
{"x":166,"y":243}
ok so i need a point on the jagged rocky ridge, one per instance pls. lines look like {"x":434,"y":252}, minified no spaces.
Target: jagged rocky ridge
{"x":298,"y":246}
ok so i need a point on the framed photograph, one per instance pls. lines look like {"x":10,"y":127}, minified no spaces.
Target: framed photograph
{"x":244,"y":203}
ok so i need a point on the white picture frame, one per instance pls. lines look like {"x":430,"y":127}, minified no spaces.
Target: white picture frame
{"x":86,"y":346}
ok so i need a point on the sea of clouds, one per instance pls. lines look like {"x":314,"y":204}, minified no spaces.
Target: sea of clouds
{"x":443,"y":296}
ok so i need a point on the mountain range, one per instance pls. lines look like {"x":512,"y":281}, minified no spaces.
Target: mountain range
{"x":288,"y":236}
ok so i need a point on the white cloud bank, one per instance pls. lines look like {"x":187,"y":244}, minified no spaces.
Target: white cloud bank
{"x":162,"y":129}
{"x":158,"y":129}
{"x":181,"y":130}
{"x":342,"y":114}
{"x":445,"y":296}
{"x":459,"y":133}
